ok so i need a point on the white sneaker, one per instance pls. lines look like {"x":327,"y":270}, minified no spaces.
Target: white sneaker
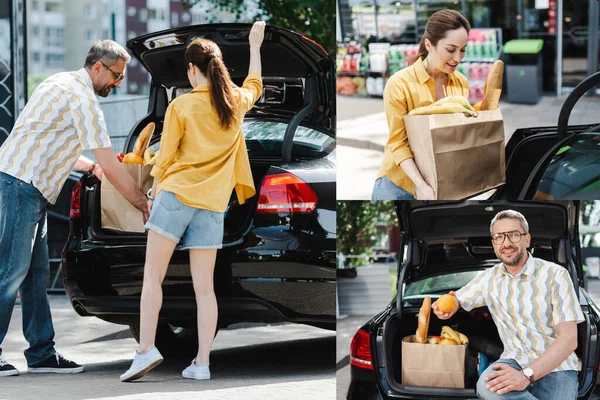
{"x":142,"y":363}
{"x":6,"y":369}
{"x":196,"y":372}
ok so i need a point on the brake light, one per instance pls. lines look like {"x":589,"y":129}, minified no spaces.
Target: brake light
{"x":75,"y":201}
{"x":286,"y":193}
{"x":360,"y":350}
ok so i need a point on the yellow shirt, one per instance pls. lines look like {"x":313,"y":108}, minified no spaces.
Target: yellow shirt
{"x":406,"y":90}
{"x":199,"y":161}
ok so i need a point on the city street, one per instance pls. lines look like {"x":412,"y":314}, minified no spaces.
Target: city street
{"x":347,"y":327}
{"x":362,"y":133}
{"x":282,"y":361}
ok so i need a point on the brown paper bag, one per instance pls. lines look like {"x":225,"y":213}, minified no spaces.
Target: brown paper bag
{"x":433,"y":365}
{"x":116,"y":212}
{"x":458,"y":156}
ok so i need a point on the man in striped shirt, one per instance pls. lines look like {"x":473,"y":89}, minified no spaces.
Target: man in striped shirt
{"x":536,"y":310}
{"x":62,"y":118}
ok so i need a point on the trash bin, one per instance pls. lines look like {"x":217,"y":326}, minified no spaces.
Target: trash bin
{"x":524,"y":70}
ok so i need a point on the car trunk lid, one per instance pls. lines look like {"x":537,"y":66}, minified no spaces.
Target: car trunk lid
{"x":443,"y":237}
{"x":298,"y":75}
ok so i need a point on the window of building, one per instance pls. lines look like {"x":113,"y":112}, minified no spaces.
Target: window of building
{"x":90,"y":11}
{"x":53,"y":7}
{"x":143,"y":15}
{"x":131,"y":12}
{"x":35,"y":31}
{"x":35,"y":5}
{"x":55,"y":37}
{"x":36,"y":57}
{"x":185,"y":17}
{"x":55,"y":60}
{"x":90,"y":36}
{"x":175,"y":19}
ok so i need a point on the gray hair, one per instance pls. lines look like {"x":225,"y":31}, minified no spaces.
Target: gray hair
{"x":510,"y":214}
{"x":108,"y":51}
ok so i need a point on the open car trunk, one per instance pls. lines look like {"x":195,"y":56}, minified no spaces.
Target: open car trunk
{"x":293,"y":120}
{"x":237,"y":220}
{"x":444,"y":245}
{"x":483,"y":338}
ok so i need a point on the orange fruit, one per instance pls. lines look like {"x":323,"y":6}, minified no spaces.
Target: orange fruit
{"x":446,"y":303}
{"x":449,"y":342}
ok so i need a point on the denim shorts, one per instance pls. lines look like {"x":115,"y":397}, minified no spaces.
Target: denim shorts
{"x":200,"y":228}
{"x":385,"y":189}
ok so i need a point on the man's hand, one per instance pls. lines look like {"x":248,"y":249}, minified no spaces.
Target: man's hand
{"x":97,"y":171}
{"x":506,"y":379}
{"x":442,"y":315}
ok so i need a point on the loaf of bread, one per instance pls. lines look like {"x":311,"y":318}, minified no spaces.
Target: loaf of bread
{"x":143,"y":140}
{"x":423,"y":322}
{"x":493,"y":87}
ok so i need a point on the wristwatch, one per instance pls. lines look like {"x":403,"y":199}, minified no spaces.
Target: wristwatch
{"x":528,"y":372}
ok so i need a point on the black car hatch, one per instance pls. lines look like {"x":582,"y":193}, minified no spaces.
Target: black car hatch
{"x":298,"y":75}
{"x":439,"y":238}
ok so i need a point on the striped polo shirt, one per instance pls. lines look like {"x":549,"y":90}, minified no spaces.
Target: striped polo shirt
{"x":61,"y":119}
{"x":526,"y":307}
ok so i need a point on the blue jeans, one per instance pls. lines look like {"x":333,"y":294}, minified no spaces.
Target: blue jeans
{"x":385,"y":189}
{"x":562,"y":385}
{"x":24,"y":265}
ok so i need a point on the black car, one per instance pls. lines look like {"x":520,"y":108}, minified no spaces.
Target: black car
{"x":278,"y":259}
{"x":558,"y":162}
{"x":443,"y":246}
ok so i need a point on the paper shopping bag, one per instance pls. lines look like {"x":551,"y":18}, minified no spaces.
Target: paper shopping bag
{"x":458,"y":156}
{"x":116,"y":212}
{"x":433,"y":365}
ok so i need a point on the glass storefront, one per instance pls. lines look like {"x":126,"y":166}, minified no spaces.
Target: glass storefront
{"x":402,"y":22}
{"x":12,"y":64}
{"x":6,"y":77}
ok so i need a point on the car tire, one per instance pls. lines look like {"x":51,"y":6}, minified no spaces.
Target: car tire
{"x":172,"y":339}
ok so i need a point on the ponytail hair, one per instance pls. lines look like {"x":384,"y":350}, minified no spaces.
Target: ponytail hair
{"x":207,"y":56}
{"x":437,"y":27}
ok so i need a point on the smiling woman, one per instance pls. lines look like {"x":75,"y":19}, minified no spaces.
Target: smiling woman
{"x":431,"y":76}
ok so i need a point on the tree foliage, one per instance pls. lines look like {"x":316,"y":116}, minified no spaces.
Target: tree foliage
{"x":357,"y":230}
{"x":313,"y":18}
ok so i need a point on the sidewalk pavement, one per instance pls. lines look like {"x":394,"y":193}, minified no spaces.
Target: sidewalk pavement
{"x":362,"y":133}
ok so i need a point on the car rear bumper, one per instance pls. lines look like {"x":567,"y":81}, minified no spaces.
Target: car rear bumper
{"x":126,"y":310}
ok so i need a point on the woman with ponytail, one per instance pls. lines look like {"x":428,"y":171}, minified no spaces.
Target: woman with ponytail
{"x":430,"y":76}
{"x":202,"y":158}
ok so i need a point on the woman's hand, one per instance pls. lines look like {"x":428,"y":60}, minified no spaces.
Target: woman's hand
{"x":257,"y":34}
{"x":424,"y":192}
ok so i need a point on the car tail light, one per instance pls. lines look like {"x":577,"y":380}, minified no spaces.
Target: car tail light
{"x":286,"y":193}
{"x":75,"y":201}
{"x":360,"y":350}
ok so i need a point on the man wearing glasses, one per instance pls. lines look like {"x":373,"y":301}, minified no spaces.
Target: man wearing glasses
{"x":536,"y":311}
{"x":61,"y":119}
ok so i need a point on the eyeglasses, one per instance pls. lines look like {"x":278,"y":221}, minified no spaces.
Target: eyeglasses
{"x":513,"y":237}
{"x":118,"y":76}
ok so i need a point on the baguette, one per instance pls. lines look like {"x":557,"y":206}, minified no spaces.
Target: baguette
{"x":143,"y":140}
{"x":493,"y":87}
{"x":423,"y":322}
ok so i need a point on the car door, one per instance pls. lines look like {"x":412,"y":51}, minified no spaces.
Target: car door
{"x":555,"y":163}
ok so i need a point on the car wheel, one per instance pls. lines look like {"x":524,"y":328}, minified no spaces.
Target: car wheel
{"x":172,"y":339}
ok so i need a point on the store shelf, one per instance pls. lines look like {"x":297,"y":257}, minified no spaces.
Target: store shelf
{"x":340,"y":73}
{"x":481,"y":59}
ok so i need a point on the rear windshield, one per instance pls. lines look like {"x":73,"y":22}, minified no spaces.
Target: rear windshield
{"x":439,"y":284}
{"x":264,"y":138}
